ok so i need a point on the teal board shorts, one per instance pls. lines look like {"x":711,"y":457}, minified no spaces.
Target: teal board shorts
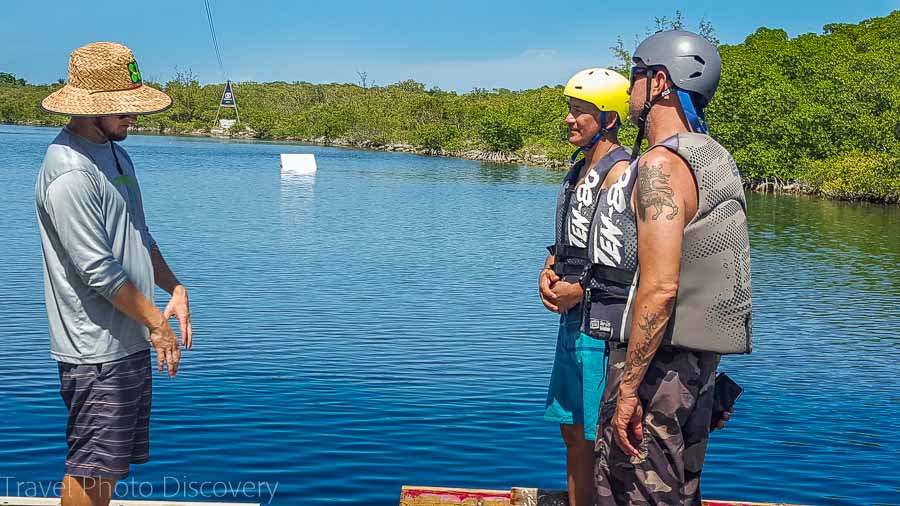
{"x":576,"y":383}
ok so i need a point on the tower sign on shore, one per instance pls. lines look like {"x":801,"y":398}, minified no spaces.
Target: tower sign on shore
{"x":228,"y":100}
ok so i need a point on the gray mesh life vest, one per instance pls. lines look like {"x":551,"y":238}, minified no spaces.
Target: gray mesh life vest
{"x":574,"y":208}
{"x":713,"y":306}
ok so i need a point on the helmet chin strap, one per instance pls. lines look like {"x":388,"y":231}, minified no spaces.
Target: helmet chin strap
{"x":645,"y":113}
{"x":594,"y":140}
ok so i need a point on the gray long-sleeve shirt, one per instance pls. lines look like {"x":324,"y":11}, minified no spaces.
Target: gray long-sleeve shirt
{"x":94,"y":238}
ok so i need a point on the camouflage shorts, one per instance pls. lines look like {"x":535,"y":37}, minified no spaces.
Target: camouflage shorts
{"x":677,"y":396}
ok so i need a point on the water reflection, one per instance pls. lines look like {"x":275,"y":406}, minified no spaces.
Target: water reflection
{"x":859,"y":240}
{"x":297,"y":195}
{"x":499,"y":172}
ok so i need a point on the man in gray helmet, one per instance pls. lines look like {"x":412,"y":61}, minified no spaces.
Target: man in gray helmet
{"x":689,"y":211}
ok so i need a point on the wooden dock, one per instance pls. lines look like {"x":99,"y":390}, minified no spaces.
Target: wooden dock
{"x":438,"y":496}
{"x":40,"y":501}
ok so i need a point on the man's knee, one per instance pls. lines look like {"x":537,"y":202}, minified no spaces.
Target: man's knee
{"x":87,"y":489}
{"x":573,"y":436}
{"x":99,"y":487}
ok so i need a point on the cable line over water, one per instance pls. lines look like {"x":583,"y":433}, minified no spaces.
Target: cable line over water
{"x":215,"y":39}
{"x":228,"y":99}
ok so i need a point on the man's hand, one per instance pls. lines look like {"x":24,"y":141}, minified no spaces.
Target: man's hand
{"x":180,"y":308}
{"x":568,"y":295}
{"x":167,"y":351}
{"x":629,"y":416}
{"x":546,"y":280}
{"x":725,"y":417}
{"x":131,"y":301}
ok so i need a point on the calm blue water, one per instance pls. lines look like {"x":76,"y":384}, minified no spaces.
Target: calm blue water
{"x":378,"y":325}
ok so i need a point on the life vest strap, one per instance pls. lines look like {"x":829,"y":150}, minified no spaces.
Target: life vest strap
{"x":565,"y":269}
{"x":602,"y":273}
{"x":602,"y":294}
{"x":563,"y":251}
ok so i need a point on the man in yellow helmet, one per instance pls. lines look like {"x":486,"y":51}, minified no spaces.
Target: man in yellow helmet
{"x":598,"y":99}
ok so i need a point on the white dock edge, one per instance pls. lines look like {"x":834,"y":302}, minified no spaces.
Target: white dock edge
{"x":41,"y":501}
{"x":298,"y":163}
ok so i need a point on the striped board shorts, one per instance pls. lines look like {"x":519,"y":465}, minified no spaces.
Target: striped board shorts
{"x":109,"y":415}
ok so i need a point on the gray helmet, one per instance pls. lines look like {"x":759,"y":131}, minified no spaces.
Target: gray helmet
{"x":692,"y":61}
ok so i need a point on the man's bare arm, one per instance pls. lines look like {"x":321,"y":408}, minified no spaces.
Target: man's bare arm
{"x":164,"y":276}
{"x":665,"y":201}
{"x":130,"y":301}
{"x":178,"y":306}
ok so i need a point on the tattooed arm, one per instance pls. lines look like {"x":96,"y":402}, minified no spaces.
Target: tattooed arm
{"x":665,"y":200}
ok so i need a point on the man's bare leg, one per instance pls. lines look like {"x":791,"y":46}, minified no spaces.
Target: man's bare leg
{"x":86,"y":491}
{"x":579,"y":465}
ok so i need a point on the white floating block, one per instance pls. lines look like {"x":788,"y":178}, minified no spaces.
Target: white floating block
{"x":299,"y":163}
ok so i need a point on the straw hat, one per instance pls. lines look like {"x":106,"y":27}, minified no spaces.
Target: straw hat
{"x":104,"y":80}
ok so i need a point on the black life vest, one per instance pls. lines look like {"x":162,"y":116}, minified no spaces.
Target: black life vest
{"x":574,"y":208}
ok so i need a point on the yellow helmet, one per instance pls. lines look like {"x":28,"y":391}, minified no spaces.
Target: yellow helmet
{"x":607,"y":89}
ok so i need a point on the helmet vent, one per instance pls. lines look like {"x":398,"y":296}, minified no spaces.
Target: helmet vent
{"x":578,"y":87}
{"x":701,"y":60}
{"x":695,"y":74}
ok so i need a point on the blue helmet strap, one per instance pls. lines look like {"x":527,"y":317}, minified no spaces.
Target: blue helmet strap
{"x":594,"y":140}
{"x":695,"y":118}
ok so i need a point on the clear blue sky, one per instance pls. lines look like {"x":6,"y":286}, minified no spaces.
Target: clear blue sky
{"x":453,"y":45}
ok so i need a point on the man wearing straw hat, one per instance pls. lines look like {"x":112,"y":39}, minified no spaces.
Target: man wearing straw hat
{"x":100,"y":266}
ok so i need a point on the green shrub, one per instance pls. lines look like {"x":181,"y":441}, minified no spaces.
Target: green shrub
{"x":855,"y":175}
{"x":499,"y":134}
{"x":433,"y":136}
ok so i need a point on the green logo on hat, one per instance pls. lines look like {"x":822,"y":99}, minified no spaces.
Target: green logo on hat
{"x":135,"y":73}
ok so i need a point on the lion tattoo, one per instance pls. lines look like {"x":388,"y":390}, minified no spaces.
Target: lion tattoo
{"x":655,"y":191}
